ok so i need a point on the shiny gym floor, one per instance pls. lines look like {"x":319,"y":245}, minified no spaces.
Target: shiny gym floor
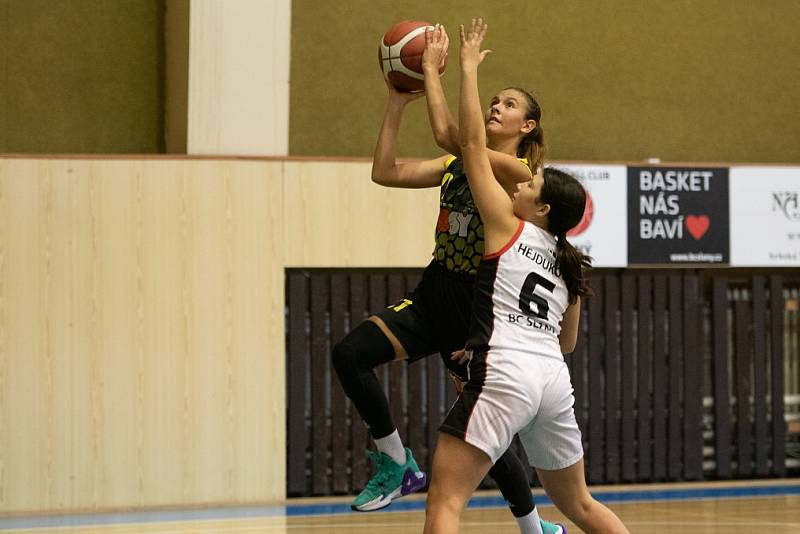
{"x":753,"y":507}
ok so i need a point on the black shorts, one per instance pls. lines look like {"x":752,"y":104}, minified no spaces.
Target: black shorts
{"x":434,"y":317}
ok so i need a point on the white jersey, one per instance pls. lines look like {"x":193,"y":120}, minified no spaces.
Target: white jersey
{"x":519,"y":303}
{"x":520,"y":300}
{"x":520,"y":297}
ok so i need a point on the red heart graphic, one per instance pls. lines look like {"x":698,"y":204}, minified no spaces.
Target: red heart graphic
{"x":697,"y":225}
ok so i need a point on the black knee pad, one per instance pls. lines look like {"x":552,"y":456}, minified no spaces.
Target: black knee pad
{"x":511,"y":476}
{"x":363,"y":349}
{"x":354,"y":358}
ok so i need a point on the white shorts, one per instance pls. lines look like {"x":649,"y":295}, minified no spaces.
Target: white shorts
{"x":516,"y":393}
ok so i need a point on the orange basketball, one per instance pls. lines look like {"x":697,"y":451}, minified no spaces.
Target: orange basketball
{"x":400,"y":55}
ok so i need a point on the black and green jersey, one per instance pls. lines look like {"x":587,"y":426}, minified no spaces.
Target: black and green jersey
{"x":459,"y":230}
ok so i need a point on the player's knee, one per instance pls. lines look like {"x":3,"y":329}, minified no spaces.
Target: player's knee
{"x":442,"y":502}
{"x":364,"y":348}
{"x":578,"y":509}
{"x":583,"y":505}
{"x":348,"y":358}
{"x":344,"y":357}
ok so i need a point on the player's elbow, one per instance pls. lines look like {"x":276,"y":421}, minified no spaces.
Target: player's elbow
{"x":470,"y":144}
{"x":441,"y":135}
{"x":445,"y":141}
{"x":446,"y":136}
{"x":382,"y":175}
{"x":568,"y":345}
{"x":471,"y":137}
{"x":380,"y":179}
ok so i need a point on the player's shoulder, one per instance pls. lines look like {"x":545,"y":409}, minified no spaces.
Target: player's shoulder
{"x":537,"y":232}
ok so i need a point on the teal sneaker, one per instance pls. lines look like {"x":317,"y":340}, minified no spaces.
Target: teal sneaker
{"x":552,"y":528}
{"x":389,"y":482}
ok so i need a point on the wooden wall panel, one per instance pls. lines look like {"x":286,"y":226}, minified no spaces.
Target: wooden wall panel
{"x":644,"y":379}
{"x":336,"y":217}
{"x":643,"y":349}
{"x":722,"y":378}
{"x":777,"y":390}
{"x":238,"y":90}
{"x":142,"y":320}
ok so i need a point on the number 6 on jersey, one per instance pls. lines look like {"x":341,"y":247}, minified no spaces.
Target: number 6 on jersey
{"x":528,"y":296}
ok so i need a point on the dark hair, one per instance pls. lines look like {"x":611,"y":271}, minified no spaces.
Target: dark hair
{"x":532,"y":145}
{"x":567,"y":200}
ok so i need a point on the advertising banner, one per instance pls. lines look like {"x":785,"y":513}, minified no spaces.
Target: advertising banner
{"x":677,"y":215}
{"x":599,"y":234}
{"x":765,"y":216}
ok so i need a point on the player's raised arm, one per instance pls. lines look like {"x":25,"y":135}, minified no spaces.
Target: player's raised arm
{"x":434,"y":58}
{"x":491,"y":199}
{"x":385,"y":169}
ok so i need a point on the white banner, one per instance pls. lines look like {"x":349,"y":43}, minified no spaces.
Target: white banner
{"x":765,"y":216}
{"x":602,"y":232}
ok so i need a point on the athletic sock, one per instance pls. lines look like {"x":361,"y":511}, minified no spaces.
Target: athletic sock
{"x":392,"y":446}
{"x":529,"y":524}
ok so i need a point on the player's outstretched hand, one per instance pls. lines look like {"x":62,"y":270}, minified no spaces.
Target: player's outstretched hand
{"x":435,"y":54}
{"x":471,"y":40}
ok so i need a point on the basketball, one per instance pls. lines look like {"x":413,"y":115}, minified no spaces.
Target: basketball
{"x":400,"y":55}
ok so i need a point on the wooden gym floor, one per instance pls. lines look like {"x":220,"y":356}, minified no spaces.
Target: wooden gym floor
{"x":753,"y":507}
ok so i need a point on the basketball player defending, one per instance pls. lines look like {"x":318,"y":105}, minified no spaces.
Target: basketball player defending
{"x":525,"y":317}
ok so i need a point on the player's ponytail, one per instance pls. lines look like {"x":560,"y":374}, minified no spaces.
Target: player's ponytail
{"x":567,"y":200}
{"x":532,"y":145}
{"x":573,"y":265}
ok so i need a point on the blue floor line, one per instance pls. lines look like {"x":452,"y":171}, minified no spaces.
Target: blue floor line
{"x":607,"y":497}
{"x":295,"y":510}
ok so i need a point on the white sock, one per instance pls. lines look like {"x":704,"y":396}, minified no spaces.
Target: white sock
{"x":392,"y":446}
{"x":529,"y":524}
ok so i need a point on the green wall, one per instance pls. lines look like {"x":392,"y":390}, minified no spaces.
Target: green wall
{"x":683,"y":80}
{"x":81,"y":76}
